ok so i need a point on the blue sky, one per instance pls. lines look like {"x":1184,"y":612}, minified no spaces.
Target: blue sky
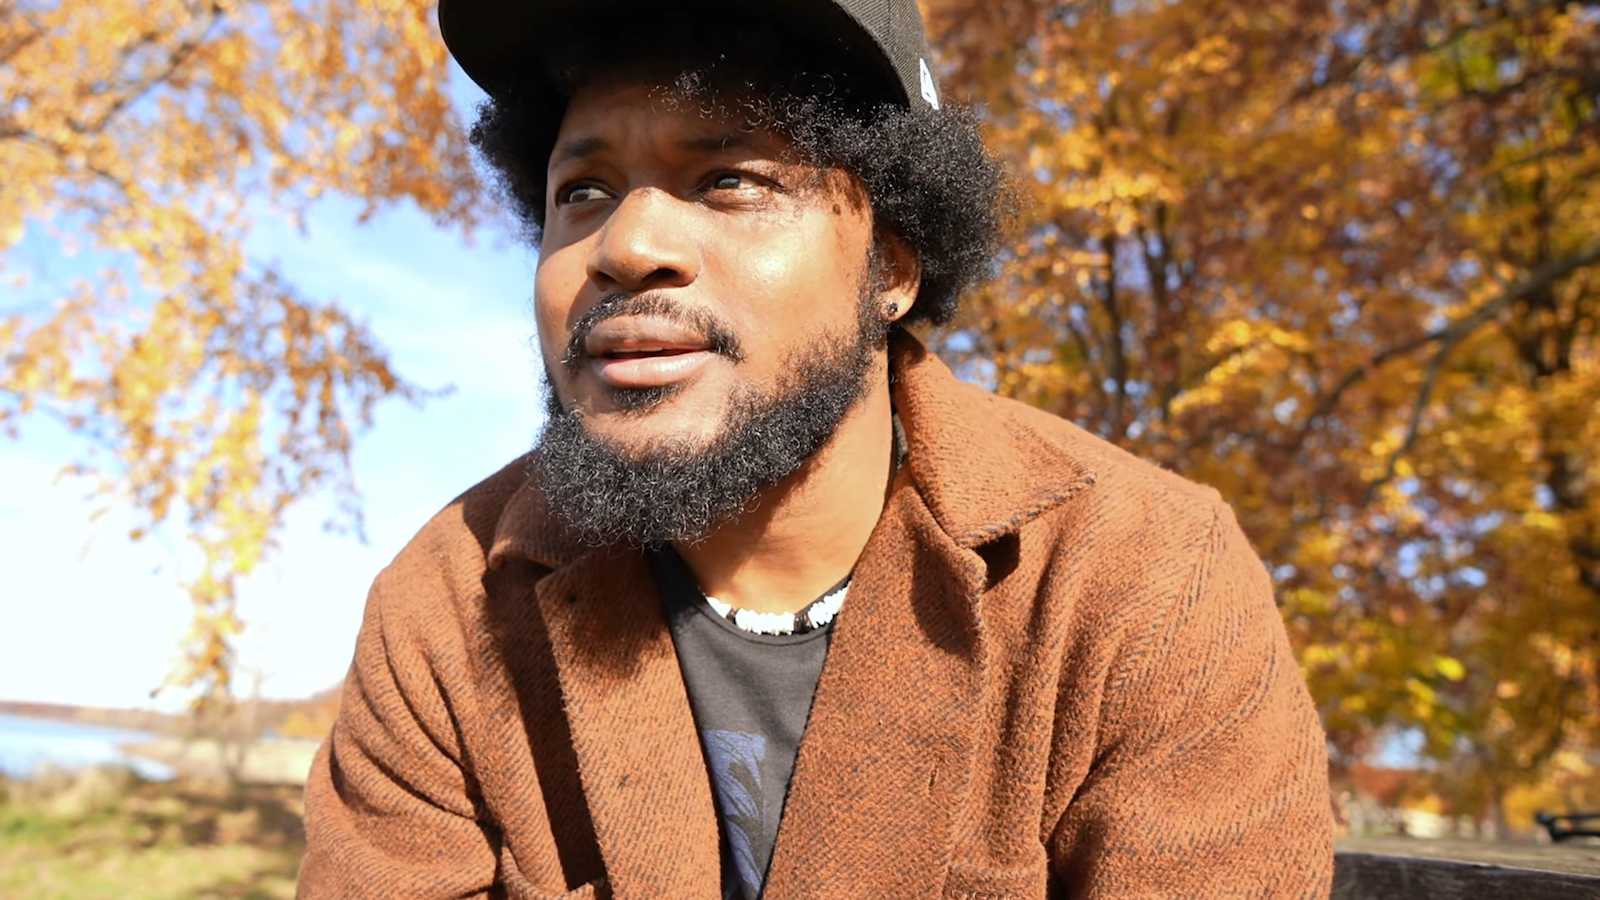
{"x":88,"y":617}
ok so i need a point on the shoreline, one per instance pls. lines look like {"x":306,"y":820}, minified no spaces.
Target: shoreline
{"x":269,"y":760}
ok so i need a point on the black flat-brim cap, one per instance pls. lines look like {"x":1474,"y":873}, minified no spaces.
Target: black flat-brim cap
{"x":497,"y":41}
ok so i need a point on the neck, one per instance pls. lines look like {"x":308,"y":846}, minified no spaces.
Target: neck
{"x":804,"y":534}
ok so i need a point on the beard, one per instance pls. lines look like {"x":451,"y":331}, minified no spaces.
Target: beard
{"x":679,"y":492}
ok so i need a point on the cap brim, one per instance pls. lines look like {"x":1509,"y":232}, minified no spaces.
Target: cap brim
{"x":497,"y":42}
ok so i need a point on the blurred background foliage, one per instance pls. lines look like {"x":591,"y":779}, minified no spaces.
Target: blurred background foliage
{"x":209,"y":391}
{"x":1338,"y":260}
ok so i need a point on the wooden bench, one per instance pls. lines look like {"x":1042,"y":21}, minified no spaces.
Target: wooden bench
{"x":1398,"y":868}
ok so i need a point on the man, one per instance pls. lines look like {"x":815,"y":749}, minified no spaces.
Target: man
{"x":777,"y":607}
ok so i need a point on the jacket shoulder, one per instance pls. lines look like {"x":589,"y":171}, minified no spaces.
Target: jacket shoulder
{"x":1057,"y":448}
{"x":447,"y":558}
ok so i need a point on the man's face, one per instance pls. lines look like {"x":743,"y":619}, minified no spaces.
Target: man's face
{"x":687,"y":262}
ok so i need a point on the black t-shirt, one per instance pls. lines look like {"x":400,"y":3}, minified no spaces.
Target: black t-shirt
{"x":751,"y":695}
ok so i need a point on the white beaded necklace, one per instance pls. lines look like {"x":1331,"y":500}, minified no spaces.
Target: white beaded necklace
{"x":816,"y":614}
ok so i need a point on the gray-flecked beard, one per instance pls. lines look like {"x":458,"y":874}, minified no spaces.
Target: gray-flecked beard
{"x":678,"y":492}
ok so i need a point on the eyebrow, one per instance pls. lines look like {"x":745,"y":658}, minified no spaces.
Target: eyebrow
{"x":582,"y":148}
{"x":730,"y":141}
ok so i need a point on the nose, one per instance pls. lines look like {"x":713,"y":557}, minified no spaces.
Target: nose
{"x":645,"y":244}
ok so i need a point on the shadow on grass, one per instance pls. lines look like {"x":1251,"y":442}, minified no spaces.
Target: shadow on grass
{"x":141,"y":814}
{"x":236,"y":890}
{"x":204,"y":814}
{"x":87,"y":833}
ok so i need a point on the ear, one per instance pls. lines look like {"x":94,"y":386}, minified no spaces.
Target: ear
{"x":900,"y":274}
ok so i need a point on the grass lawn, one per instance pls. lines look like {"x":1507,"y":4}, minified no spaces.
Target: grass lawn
{"x":124,"y":838}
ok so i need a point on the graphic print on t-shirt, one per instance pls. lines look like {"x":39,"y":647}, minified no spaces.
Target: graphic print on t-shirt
{"x":751,"y":695}
{"x":735,"y":758}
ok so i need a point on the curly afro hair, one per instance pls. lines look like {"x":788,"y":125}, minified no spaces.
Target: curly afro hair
{"x":927,"y":176}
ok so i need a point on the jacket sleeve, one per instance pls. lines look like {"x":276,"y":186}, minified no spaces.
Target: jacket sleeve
{"x":1210,"y":773}
{"x":390,"y":811}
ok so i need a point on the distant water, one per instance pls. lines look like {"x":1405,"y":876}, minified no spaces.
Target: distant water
{"x":27,"y":744}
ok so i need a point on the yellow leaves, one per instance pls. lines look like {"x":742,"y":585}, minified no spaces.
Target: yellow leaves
{"x":1242,"y":333}
{"x":1570,"y":783}
{"x":11,"y":234}
{"x":1268,"y":270}
{"x":345,"y":138}
{"x":1213,"y":54}
{"x":1320,"y":655}
{"x":1424,"y":699}
{"x":1449,"y":668}
{"x":1540,"y":520}
{"x":1245,"y":350}
{"x":151,"y":126}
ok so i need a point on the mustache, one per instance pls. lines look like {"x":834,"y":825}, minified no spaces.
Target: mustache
{"x":718,"y":336}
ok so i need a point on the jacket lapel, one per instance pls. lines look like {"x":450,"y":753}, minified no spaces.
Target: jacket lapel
{"x":886,"y":758}
{"x":884,"y":763}
{"x":633,"y":733}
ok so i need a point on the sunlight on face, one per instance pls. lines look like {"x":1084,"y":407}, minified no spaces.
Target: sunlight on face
{"x":687,"y":259}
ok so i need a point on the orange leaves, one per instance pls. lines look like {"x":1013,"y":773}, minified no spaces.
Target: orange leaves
{"x":1336,"y":260}
{"x":219,"y":395}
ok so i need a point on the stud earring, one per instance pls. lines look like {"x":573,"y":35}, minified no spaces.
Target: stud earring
{"x":891,"y":310}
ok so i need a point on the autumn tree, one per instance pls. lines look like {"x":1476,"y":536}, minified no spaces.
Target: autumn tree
{"x":1340,"y":261}
{"x":213,"y":394}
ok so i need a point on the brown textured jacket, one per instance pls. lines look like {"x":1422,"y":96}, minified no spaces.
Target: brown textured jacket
{"x":1060,"y":673}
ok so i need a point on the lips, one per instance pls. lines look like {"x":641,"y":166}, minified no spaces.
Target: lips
{"x":645,"y":352}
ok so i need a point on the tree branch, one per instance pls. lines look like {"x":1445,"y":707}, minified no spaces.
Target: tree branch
{"x":1539,"y":279}
{"x":1119,"y":354}
{"x":141,"y":87}
{"x":1414,"y":427}
{"x":10,"y":50}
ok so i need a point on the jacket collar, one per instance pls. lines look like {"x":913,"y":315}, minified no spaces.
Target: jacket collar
{"x":914,"y":639}
{"x":981,"y":471}
{"x":982,"y":475}
{"x":527,"y":529}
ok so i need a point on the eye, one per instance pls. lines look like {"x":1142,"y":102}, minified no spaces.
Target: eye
{"x":735,"y":180}
{"x":581,"y":193}
{"x":740,"y":188}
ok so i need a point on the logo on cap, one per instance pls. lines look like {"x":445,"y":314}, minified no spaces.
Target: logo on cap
{"x":929,"y":92}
